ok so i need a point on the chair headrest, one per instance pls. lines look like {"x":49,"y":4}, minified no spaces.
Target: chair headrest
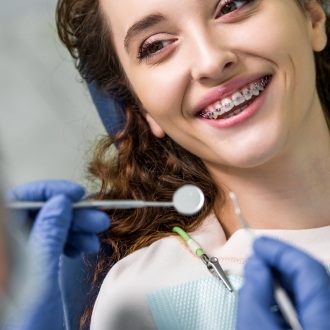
{"x":110,"y":111}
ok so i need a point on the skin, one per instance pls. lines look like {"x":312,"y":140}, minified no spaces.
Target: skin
{"x":277,"y":160}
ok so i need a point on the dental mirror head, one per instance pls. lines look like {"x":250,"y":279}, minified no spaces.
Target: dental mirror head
{"x":188,"y":199}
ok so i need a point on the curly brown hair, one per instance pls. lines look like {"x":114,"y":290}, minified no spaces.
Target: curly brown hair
{"x":143,"y":167}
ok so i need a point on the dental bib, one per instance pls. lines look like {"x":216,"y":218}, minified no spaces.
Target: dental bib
{"x":198,"y":305}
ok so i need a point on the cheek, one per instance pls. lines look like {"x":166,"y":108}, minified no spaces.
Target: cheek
{"x":160,"y":90}
{"x":281,"y":30}
{"x":288,"y":48}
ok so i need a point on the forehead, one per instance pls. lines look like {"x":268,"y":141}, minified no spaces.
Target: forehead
{"x":121,"y":15}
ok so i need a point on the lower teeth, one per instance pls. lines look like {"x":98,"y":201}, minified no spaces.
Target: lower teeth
{"x":236,"y":112}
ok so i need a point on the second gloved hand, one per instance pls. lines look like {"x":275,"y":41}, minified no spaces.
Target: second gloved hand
{"x":56,"y":228}
{"x":304,"y":278}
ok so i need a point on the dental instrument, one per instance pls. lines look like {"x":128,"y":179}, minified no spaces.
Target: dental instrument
{"x":212,"y":263}
{"x":187,"y":200}
{"x":281,"y":297}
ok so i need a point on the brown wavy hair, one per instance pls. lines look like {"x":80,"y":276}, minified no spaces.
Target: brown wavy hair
{"x":143,"y":167}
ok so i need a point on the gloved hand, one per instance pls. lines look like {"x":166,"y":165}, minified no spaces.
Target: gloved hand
{"x":304,"y":278}
{"x":57,"y":228}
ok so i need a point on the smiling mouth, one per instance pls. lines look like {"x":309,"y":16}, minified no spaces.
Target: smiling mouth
{"x":237,"y":102}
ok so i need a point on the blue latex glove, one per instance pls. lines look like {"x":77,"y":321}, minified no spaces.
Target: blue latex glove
{"x":304,"y":278}
{"x":57,"y":228}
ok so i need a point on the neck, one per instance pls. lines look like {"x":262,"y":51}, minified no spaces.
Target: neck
{"x":290,"y":192}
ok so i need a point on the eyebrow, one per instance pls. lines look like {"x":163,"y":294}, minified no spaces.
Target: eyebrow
{"x":141,"y":25}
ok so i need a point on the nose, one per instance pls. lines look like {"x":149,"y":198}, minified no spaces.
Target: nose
{"x":211,"y":58}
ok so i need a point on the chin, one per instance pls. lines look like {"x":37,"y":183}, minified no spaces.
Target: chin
{"x":257,"y":157}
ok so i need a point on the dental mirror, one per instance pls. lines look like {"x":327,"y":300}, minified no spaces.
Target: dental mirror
{"x":187,"y":200}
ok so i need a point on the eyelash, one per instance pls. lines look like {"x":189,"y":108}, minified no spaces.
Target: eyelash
{"x":228,"y":2}
{"x":144,"y":51}
{"x":145,"y":48}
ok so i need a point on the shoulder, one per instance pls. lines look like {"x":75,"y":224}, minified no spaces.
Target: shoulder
{"x":164,"y":257}
{"x":122,"y":300}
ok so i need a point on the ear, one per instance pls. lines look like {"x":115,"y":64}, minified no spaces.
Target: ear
{"x":318,"y":20}
{"x":155,"y":128}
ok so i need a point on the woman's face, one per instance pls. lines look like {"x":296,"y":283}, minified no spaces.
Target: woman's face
{"x":249,"y":64}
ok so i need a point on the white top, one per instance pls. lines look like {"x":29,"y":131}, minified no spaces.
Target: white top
{"x":165,"y":286}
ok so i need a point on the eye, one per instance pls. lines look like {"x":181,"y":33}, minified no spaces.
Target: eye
{"x":150,"y":48}
{"x":230,"y":6}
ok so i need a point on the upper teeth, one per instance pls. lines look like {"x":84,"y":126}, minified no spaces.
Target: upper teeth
{"x":227,"y":104}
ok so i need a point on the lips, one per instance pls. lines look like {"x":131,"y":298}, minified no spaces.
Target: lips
{"x":236,"y":102}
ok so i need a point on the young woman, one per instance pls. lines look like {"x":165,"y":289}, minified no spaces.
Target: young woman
{"x":227,"y":95}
